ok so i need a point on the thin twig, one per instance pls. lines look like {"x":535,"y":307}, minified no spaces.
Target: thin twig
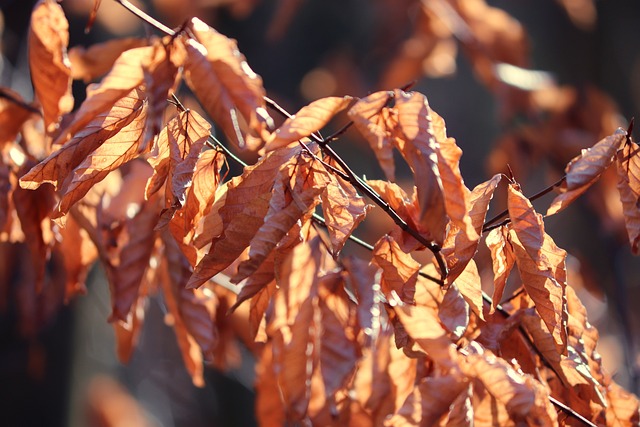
{"x":146,"y":18}
{"x":488,"y":225}
{"x":370,"y":193}
{"x":8,"y":96}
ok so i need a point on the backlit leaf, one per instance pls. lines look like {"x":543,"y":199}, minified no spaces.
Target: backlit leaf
{"x":458,"y":248}
{"x":117,"y":150}
{"x":541,"y":265}
{"x":59,"y":165}
{"x":471,"y":288}
{"x":125,"y":76}
{"x":523,"y":397}
{"x":246,"y":204}
{"x":418,"y":147}
{"x":90,"y":63}
{"x":48,"y":61}
{"x":399,"y":270}
{"x":311,"y":118}
{"x":503,"y":259}
{"x":343,"y":208}
{"x":628,"y":167}
{"x":12,"y":115}
{"x":583,"y":170}
{"x":366,"y":114}
{"x":224,"y":83}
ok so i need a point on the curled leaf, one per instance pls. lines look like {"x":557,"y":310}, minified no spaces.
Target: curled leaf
{"x":628,"y":167}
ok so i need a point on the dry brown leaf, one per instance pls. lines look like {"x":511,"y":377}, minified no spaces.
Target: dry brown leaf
{"x":623,"y":407}
{"x":343,"y":208}
{"x":192,"y":313}
{"x":245,"y":206}
{"x":125,"y":76}
{"x":59,"y":165}
{"x":458,"y":248}
{"x":12,"y":115}
{"x":33,"y":209}
{"x":294,"y":195}
{"x":309,"y":119}
{"x":471,"y":287}
{"x":418,"y":146}
{"x":503,"y":260}
{"x":48,"y":61}
{"x":225,"y":84}
{"x":399,"y":270}
{"x":457,"y":197}
{"x":362,"y":277}
{"x":76,"y":240}
{"x":187,"y":134}
{"x":339,"y":352}
{"x":200,"y":197}
{"x":127,"y":243}
{"x":90,"y":63}
{"x":541,"y":265}
{"x":295,"y":327}
{"x":430,"y":401}
{"x":584,"y":170}
{"x":161,"y":76}
{"x":628,"y":167}
{"x":454,"y":312}
{"x":523,"y":397}
{"x":269,"y":405}
{"x":119,"y":149}
{"x":366,"y":114}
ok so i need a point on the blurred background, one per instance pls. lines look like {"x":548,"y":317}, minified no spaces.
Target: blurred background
{"x":523,"y":83}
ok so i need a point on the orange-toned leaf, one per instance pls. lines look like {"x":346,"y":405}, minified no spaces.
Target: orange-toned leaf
{"x":366,"y":115}
{"x":456,"y":194}
{"x":503,"y":259}
{"x":110,"y":155}
{"x":338,"y":351}
{"x":628,"y":167}
{"x":471,"y":288}
{"x":59,"y":165}
{"x":13,"y":113}
{"x":541,"y":265}
{"x":422,"y":325}
{"x":269,"y":404}
{"x":454,"y":312}
{"x":399,"y":270}
{"x":224,"y":83}
{"x":418,"y":147}
{"x":187,"y":134}
{"x":623,"y":408}
{"x":90,"y":63}
{"x":246,"y":204}
{"x":430,"y":401}
{"x":585,"y":169}
{"x":161,"y":78}
{"x":200,"y":198}
{"x":294,"y":195}
{"x":362,"y":277}
{"x":295,"y":327}
{"x":523,"y":397}
{"x":343,"y":208}
{"x":458,"y":248}
{"x":127,"y":245}
{"x":125,"y":76}
{"x":310,"y":119}
{"x":76,"y":240}
{"x":33,"y":209}
{"x":48,"y":62}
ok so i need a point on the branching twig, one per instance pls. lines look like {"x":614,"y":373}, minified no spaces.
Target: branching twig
{"x":370,"y":193}
{"x":489,"y":225}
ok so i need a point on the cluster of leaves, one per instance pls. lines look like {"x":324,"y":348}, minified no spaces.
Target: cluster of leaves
{"x":339,"y":340}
